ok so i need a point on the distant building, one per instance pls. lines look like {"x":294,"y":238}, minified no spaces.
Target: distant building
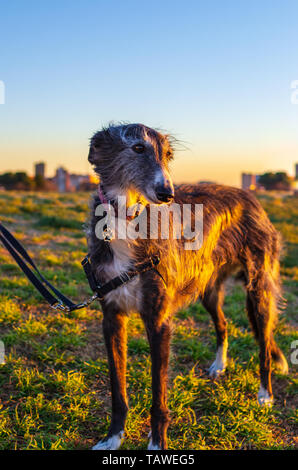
{"x":296,"y":171}
{"x":77,"y":181}
{"x":249,"y":181}
{"x":62,"y":180}
{"x":40,"y":169}
{"x":66,"y":182}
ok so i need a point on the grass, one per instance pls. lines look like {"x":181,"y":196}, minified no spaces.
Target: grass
{"x":54,"y":383}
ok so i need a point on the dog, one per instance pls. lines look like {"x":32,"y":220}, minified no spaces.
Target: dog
{"x":132,"y":160}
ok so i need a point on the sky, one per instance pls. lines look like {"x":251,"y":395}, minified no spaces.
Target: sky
{"x":217,"y":75}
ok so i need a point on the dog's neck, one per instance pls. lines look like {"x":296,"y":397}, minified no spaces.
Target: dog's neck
{"x":115,"y":196}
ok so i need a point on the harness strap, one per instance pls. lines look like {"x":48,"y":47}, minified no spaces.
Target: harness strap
{"x":124,"y":277}
{"x":89,"y":273}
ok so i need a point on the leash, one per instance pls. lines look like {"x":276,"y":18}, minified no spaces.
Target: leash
{"x":51,"y":294}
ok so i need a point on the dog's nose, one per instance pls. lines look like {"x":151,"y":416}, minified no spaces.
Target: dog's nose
{"x":164,"y":194}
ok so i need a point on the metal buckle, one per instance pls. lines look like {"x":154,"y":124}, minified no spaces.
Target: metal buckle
{"x":61,"y":307}
{"x":64,"y":308}
{"x":87,"y":302}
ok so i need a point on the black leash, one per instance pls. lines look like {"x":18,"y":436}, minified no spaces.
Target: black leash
{"x":56,"y":299}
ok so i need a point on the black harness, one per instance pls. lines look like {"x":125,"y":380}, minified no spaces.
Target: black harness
{"x":51,"y":294}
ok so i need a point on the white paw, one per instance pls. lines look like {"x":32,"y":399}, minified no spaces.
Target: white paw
{"x":219,"y":365}
{"x":152,"y":446}
{"x":112,"y":443}
{"x":216,"y":369}
{"x":264,"y":398}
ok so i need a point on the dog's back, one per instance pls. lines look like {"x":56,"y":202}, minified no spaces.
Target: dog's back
{"x":237,"y":235}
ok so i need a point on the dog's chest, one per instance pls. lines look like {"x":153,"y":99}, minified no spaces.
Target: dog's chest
{"x":127,"y":296}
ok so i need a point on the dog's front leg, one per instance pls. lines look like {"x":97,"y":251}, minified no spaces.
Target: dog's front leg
{"x":159,"y":335}
{"x":114,"y":329}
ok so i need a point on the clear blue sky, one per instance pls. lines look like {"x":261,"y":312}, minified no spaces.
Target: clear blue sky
{"x":215,"y":73}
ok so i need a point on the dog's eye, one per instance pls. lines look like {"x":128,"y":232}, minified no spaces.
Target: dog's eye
{"x":138,"y":148}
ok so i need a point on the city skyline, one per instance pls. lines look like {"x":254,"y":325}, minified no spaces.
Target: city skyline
{"x":247,"y":179}
{"x":65,"y":181}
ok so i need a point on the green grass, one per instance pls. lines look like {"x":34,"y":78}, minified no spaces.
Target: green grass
{"x":55,"y":385}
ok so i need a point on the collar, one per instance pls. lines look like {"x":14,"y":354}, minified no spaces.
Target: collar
{"x":101,"y":195}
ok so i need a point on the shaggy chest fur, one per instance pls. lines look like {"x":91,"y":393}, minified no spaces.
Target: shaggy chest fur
{"x":109,"y":260}
{"x":128,"y":296}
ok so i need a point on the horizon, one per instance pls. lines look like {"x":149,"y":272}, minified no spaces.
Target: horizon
{"x":94,"y":176}
{"x":220,"y":78}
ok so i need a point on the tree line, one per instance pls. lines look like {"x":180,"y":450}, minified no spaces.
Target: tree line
{"x":21,"y":181}
{"x":275,"y":181}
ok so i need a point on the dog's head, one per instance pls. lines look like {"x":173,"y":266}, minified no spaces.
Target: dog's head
{"x":133,"y":157}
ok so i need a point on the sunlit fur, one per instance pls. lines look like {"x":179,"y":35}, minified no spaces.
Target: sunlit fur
{"x":237,"y":238}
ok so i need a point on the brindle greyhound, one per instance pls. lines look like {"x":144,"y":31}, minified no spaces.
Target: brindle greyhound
{"x":132,"y":160}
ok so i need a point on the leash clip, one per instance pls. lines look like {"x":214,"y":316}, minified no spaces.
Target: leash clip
{"x":60,"y":306}
{"x":85,"y":303}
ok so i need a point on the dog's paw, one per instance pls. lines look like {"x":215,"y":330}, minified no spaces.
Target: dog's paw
{"x":219,"y":365}
{"x":152,"y":446}
{"x":264,"y":398}
{"x":110,"y":443}
{"x":216,"y":369}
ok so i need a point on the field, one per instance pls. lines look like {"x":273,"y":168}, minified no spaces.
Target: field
{"x":54,"y":383}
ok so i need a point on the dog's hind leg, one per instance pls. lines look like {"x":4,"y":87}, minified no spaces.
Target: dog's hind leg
{"x":114,"y":329}
{"x":262,"y":310}
{"x":276,"y":354}
{"x":212,"y":301}
{"x":261,"y":303}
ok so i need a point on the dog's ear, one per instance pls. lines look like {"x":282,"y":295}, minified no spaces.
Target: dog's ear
{"x":96,"y":144}
{"x":104,"y":144}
